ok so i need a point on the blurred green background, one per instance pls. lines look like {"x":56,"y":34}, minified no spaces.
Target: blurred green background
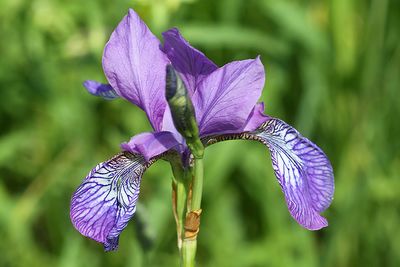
{"x":333,"y":72}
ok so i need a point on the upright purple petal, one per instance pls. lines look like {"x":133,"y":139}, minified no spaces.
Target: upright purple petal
{"x":135,"y":67}
{"x":100,"y":89}
{"x":225,"y":99}
{"x":256,"y":118}
{"x":191,"y":64}
{"x":106,"y":200}
{"x":303,"y":171}
{"x":151,"y":144}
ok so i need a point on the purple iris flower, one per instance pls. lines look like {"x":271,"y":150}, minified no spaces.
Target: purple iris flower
{"x":226,"y":108}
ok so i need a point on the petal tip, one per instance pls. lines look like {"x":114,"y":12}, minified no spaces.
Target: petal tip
{"x":132,"y":12}
{"x":172,"y":31}
{"x":89,"y":88}
{"x":317,"y":224}
{"x":111,"y":244}
{"x":93,"y":87}
{"x":258,"y":61}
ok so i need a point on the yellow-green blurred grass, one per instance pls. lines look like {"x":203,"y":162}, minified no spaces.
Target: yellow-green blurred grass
{"x":332,"y":72}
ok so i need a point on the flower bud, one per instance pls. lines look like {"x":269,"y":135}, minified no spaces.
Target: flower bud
{"x":182,"y":111}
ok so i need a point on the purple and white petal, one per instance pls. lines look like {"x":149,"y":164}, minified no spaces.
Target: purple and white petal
{"x":303,"y":171}
{"x":225,"y":99}
{"x":135,"y":67}
{"x":106,"y":200}
{"x":190,"y":63}
{"x":151,"y":144}
{"x":100,"y":89}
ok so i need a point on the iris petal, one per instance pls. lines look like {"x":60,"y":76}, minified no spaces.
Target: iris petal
{"x":303,"y":171}
{"x":100,"y":89}
{"x":151,"y":144}
{"x":192,"y":65}
{"x":135,"y":67}
{"x":106,"y":200}
{"x":225,"y":98}
{"x":256,"y":118}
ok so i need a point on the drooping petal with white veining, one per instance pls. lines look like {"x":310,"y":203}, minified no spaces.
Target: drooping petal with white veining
{"x":100,"y":89}
{"x":106,"y":200}
{"x":303,"y":171}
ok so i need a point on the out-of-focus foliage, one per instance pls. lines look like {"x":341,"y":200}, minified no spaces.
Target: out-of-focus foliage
{"x":333,"y":72}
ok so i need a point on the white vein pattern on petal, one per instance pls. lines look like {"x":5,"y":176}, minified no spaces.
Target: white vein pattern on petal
{"x":302,"y":169}
{"x":106,"y":200}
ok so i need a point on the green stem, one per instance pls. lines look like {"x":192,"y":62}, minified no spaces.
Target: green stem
{"x":181,"y":189}
{"x":189,"y":245}
{"x":181,"y":198}
{"x":197,"y":186}
{"x":188,"y":254}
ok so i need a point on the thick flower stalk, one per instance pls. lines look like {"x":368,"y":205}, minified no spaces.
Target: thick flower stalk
{"x":191,"y":103}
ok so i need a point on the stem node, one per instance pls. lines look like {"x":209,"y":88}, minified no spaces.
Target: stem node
{"x":192,"y":224}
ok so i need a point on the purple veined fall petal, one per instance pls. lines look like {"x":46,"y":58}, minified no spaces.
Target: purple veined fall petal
{"x":106,"y":200}
{"x":256,"y":118}
{"x":135,"y":67}
{"x":225,"y":99}
{"x":100,"y":89}
{"x":151,"y":144}
{"x":303,"y":171}
{"x":192,"y":65}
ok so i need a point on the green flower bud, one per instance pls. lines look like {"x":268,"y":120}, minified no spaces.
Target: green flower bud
{"x":182,"y":111}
